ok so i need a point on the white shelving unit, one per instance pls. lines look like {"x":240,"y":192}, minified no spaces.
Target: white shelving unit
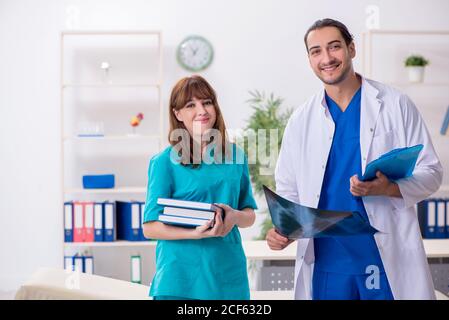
{"x":69,"y":191}
{"x":367,"y":44}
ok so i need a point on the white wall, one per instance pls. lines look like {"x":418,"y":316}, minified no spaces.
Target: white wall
{"x":258,"y":45}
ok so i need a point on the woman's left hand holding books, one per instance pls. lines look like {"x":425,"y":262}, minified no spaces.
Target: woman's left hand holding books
{"x":231,"y":218}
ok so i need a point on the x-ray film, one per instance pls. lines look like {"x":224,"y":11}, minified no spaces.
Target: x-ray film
{"x":295,"y":221}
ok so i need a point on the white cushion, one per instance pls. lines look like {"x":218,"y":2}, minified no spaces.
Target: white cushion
{"x":50,"y":284}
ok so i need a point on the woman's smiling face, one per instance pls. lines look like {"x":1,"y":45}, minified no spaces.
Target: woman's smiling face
{"x":197,"y":115}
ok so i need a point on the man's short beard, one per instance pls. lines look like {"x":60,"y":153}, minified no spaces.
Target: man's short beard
{"x":342,"y":77}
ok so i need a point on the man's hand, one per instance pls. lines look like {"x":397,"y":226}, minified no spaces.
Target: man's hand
{"x":276,"y":241}
{"x":380,"y":186}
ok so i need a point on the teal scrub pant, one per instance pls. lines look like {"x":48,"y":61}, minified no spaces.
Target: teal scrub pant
{"x":170,"y":298}
{"x":335,"y":286}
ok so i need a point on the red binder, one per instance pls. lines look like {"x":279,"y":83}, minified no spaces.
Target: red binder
{"x":78,"y":222}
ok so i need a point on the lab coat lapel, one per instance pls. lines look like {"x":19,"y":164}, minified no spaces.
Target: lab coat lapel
{"x":370,"y":107}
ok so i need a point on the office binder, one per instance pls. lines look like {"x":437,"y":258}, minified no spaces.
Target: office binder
{"x":78,"y":222}
{"x":430,"y":229}
{"x":88,"y":264}
{"x":68,"y":222}
{"x":89,"y":221}
{"x":110,"y":233}
{"x":396,"y":164}
{"x":441,"y":218}
{"x":128,"y":220}
{"x":68,"y":263}
{"x":142,"y":210}
{"x":98,"y":221}
{"x":447,"y":218}
{"x":136,"y":269}
{"x":78,"y":263}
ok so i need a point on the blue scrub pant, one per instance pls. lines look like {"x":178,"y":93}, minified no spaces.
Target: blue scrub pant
{"x":335,"y":286}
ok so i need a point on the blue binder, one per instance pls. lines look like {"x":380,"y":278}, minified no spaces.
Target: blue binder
{"x":142,"y":209}
{"x":68,"y":221}
{"x":78,"y":263}
{"x":447,"y":218}
{"x":441,"y":218}
{"x":68,"y":263}
{"x":396,"y":164}
{"x":128,"y":220}
{"x":110,"y":230}
{"x":98,"y":221}
{"x":88,"y":264}
{"x":430,"y":219}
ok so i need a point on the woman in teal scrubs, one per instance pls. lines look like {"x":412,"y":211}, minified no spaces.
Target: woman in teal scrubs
{"x":204,"y":262}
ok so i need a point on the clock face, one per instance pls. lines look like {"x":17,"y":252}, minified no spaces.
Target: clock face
{"x":195,"y":53}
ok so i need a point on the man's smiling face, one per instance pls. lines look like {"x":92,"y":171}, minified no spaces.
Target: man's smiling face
{"x":329,"y":56}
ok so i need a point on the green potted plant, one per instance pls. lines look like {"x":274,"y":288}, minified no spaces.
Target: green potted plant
{"x":267,"y":115}
{"x":415,"y":65}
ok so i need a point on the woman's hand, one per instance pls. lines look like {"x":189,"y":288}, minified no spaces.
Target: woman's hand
{"x":221,"y":228}
{"x":231,"y":217}
{"x":205,"y":231}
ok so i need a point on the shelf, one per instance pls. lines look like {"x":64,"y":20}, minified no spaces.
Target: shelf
{"x":106,"y":191}
{"x":119,"y":243}
{"x":110,"y":85}
{"x":419,"y":84}
{"x":436,"y":248}
{"x":110,"y":32}
{"x":259,"y":250}
{"x":408,"y":32}
{"x":112,"y":138}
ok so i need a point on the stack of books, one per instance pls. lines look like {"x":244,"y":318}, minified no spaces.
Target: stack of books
{"x":186,"y":213}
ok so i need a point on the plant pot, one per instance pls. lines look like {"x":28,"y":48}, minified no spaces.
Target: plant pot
{"x":415,"y":74}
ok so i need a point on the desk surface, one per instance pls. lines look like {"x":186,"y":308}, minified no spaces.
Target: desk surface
{"x":259,"y":250}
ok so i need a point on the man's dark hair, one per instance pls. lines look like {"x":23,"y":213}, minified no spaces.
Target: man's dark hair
{"x":330,"y":23}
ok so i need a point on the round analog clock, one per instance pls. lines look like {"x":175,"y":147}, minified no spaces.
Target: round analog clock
{"x":195,"y":53}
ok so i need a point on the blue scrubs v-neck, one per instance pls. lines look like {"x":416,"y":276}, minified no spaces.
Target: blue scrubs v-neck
{"x":346,"y":254}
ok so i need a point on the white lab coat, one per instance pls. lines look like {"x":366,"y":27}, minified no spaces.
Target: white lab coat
{"x":389,"y":120}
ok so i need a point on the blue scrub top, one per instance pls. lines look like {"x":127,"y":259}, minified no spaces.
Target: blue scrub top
{"x":350,"y":254}
{"x":210,"y":268}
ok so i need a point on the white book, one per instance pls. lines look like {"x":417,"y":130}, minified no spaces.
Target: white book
{"x":186,"y":204}
{"x":189,"y":213}
{"x":182,"y":220}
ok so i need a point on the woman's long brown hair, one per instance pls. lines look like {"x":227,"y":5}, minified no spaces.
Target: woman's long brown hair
{"x":183,"y":92}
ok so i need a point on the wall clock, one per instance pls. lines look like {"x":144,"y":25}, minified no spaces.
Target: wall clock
{"x":195,"y":53}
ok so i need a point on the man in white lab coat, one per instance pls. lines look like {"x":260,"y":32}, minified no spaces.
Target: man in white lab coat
{"x":326,"y":145}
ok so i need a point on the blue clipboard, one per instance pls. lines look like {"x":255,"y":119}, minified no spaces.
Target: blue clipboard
{"x":396,"y":164}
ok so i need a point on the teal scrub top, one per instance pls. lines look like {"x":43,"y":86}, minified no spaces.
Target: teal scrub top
{"x":210,"y":268}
